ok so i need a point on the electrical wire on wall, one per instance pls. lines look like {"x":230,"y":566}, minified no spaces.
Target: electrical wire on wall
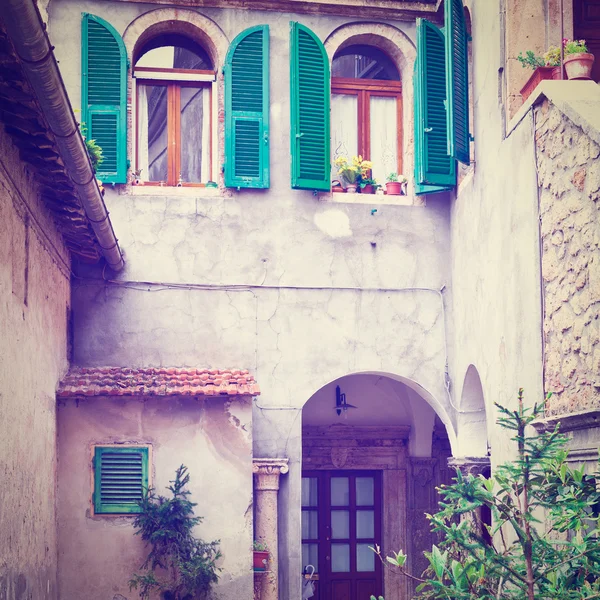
{"x":156,"y":286}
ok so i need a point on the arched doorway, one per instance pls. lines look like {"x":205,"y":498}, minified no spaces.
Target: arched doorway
{"x":373,"y":452}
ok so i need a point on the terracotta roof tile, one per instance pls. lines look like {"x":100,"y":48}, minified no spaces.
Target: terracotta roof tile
{"x":160,"y":381}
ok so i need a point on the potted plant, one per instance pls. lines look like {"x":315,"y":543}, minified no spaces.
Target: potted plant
{"x":353,"y":172}
{"x":578,"y":62}
{"x":368,"y":186}
{"x":541,"y":69}
{"x":261,"y":555}
{"x":395,"y":185}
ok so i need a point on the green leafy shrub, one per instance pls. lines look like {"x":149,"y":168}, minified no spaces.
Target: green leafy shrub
{"x":530,"y":60}
{"x":545,"y":539}
{"x":188,"y":564}
{"x":93,"y":149}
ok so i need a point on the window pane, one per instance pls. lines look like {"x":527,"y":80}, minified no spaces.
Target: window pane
{"x":340,"y":558}
{"x":310,"y":524}
{"x":340,"y":524}
{"x":195,"y":132}
{"x":384,"y":136}
{"x":365,"y":558}
{"x":364,"y":62}
{"x":310,"y":555}
{"x":309,"y":491}
{"x":365,"y":524}
{"x":344,"y":129}
{"x":364,"y":491}
{"x":152,"y":132}
{"x":340,"y":495}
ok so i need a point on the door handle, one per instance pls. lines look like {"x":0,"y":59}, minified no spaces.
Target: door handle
{"x":299,"y":135}
{"x":428,"y":129}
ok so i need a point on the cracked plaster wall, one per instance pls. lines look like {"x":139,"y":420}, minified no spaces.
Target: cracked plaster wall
{"x":285,"y":244}
{"x":34,"y":303}
{"x":569,"y":179}
{"x":212,"y":437}
{"x":495,"y":249}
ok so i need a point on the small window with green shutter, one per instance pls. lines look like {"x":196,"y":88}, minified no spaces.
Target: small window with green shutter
{"x":247,"y":109}
{"x":309,"y":110}
{"x":104,"y":95}
{"x":120,"y":478}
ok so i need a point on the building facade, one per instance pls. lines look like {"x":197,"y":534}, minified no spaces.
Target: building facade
{"x":315,"y":357}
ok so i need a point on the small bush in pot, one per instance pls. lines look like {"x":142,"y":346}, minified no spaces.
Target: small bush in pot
{"x":368,"y":186}
{"x":578,"y":61}
{"x":188,"y":564}
{"x":546,"y":67}
{"x":261,"y":555}
{"x":395,"y":184}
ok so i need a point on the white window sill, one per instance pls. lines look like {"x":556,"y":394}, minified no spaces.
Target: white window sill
{"x":172,"y":191}
{"x":372,"y":199}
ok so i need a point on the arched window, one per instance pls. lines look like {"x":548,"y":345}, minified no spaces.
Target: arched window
{"x":366,"y":109}
{"x":173,"y":76}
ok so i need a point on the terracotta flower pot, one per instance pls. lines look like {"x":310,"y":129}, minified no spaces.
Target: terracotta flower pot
{"x":261,"y":560}
{"x":368,"y":189}
{"x":579,"y":66}
{"x":538,"y":75}
{"x":393,"y":188}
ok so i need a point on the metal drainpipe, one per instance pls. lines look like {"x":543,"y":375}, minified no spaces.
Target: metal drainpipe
{"x":28,"y":33}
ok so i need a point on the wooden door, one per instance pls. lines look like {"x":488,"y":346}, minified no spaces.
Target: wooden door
{"x":341,"y":518}
{"x":586,"y":26}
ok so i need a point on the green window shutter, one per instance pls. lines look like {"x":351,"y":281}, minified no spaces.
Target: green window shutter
{"x":433,"y":165}
{"x":247,"y":109}
{"x":120,"y":479}
{"x":421,"y":188}
{"x":310,"y":99}
{"x":104,"y":95}
{"x":457,"y":80}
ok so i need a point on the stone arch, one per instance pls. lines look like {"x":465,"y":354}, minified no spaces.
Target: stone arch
{"x":170,"y":20}
{"x":472,"y":421}
{"x":399,"y":47}
{"x":199,"y":28}
{"x":421,"y":391}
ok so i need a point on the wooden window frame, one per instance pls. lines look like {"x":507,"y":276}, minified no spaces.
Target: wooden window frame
{"x":364,"y":89}
{"x":174,"y":126}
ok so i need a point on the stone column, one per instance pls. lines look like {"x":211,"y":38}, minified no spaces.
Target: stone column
{"x":266,"y":485}
{"x":470,"y":465}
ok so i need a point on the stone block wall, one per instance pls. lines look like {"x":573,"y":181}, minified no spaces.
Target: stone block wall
{"x":568,"y":162}
{"x":34,"y":304}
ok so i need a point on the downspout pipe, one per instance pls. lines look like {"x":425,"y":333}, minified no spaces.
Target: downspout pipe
{"x":27,"y":31}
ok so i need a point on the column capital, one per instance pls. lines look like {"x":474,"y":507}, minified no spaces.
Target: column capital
{"x":470,"y":465}
{"x":267,"y":472}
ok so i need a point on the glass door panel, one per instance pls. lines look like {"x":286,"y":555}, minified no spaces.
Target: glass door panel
{"x":344,"y":129}
{"x":195,"y":135}
{"x":383,"y":112}
{"x":343,"y":510}
{"x":153,"y":132}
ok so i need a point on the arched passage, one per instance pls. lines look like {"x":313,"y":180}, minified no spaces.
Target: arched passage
{"x":472,"y":422}
{"x":373,"y":452}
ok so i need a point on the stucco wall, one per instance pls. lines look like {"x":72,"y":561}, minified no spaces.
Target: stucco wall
{"x":299,"y":289}
{"x":495,"y":249}
{"x":569,"y":172}
{"x":34,"y":300}
{"x":212,"y":437}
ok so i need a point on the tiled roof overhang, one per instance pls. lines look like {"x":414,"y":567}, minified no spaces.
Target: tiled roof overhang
{"x":156,"y":381}
{"x":24,"y":121}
